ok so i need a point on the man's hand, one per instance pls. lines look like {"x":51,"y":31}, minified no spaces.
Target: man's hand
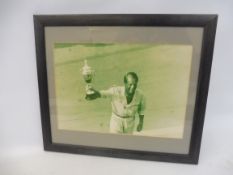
{"x":140,"y":125}
{"x":93,"y":96}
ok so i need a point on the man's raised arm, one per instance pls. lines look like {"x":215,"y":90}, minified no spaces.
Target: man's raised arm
{"x":99,"y":94}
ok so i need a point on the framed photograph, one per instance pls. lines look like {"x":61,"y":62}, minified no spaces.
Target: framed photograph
{"x":125,"y":86}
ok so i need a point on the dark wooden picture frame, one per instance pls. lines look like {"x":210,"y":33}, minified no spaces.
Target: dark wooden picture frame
{"x":207,"y":22}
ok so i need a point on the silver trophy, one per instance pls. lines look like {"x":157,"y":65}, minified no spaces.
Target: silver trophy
{"x":88,"y":74}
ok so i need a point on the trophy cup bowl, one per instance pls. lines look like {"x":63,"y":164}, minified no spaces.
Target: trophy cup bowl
{"x":88,"y":74}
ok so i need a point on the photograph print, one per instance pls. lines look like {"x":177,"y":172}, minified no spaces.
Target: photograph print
{"x":138,"y":89}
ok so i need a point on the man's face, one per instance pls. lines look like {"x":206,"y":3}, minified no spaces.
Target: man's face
{"x":130,"y":85}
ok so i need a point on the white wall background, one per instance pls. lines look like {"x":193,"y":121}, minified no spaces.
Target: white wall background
{"x":21,"y":150}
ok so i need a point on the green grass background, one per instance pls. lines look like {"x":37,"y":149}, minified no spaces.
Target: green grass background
{"x":163,"y":72}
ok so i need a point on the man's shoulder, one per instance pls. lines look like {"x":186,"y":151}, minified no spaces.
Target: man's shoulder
{"x":140,"y":94}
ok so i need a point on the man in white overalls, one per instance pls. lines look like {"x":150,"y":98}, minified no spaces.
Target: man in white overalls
{"x":127,"y":101}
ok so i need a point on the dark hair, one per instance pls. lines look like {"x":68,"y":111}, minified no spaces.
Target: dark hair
{"x":133,"y":74}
